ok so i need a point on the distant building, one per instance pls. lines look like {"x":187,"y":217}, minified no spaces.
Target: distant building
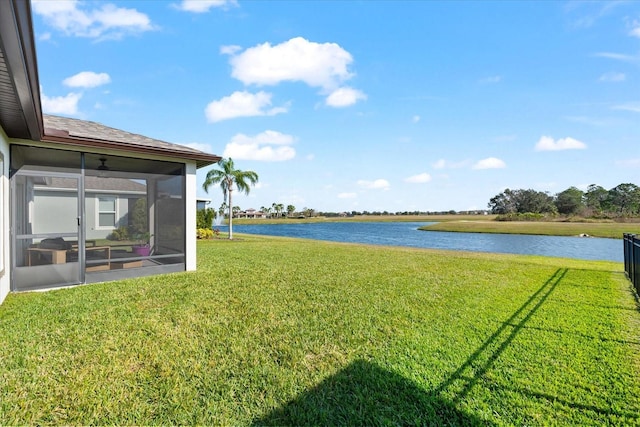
{"x":202,"y":203}
{"x":252,"y":214}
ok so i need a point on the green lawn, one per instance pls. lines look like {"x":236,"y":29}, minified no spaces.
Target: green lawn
{"x":293,"y":332}
{"x":613,"y":230}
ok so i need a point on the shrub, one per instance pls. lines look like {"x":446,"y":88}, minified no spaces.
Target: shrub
{"x":204,"y":233}
{"x":120,"y":233}
{"x":521,"y":217}
{"x":205,"y":217}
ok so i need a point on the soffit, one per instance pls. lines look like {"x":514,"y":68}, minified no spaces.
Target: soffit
{"x":20,"y":113}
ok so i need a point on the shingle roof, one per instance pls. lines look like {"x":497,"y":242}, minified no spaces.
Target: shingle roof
{"x":82,"y":132}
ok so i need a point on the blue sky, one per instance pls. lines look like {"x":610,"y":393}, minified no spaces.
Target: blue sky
{"x":361,"y":105}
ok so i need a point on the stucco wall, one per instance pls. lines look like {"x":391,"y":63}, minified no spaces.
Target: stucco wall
{"x":190,"y":229}
{"x":4,"y":217}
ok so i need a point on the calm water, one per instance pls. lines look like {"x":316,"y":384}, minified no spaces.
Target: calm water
{"x":407,"y":234}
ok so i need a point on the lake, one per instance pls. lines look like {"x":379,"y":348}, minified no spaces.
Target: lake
{"x":407,"y":234}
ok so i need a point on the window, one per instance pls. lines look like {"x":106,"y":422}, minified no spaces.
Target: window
{"x":106,"y":212}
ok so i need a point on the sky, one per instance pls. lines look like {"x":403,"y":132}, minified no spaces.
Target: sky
{"x":343,"y":106}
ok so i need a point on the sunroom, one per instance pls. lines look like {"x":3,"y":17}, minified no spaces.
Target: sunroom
{"x":82,"y":202}
{"x":81,"y":216}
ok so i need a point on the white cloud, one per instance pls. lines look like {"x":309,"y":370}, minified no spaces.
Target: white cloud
{"x":203,"y":6}
{"x":444,"y":164}
{"x":378,"y":184}
{"x":618,"y":56}
{"x":634,"y":107}
{"x":612,"y":77}
{"x":629,"y":163}
{"x":242,"y":104}
{"x":506,"y":138}
{"x":491,"y":80}
{"x":415,"y":119}
{"x":635,"y":32}
{"x":318,"y":65}
{"x":105,"y":22}
{"x":347,"y":195}
{"x":268,"y":146}
{"x":546,"y":143}
{"x":419,"y":179}
{"x":344,"y":97}
{"x":60,"y":104}
{"x":490,"y":163}
{"x":230,"y":49}
{"x":87,"y":79}
{"x":440,"y":164}
{"x":200,"y":146}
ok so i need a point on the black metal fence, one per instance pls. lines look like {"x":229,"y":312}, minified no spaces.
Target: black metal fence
{"x":632,"y":259}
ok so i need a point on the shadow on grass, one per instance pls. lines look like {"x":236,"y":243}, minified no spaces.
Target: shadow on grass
{"x":478,"y":364}
{"x":366,"y":394}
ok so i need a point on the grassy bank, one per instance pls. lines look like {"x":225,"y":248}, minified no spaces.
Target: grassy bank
{"x":595,"y":229}
{"x":290,"y":332}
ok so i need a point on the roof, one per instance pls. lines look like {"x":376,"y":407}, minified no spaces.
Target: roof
{"x":86,"y":133}
{"x":21,"y":111}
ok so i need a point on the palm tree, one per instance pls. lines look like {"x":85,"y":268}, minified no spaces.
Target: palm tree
{"x":290,"y":210}
{"x":227,"y":176}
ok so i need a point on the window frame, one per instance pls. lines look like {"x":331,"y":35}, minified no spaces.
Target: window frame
{"x":116,"y":205}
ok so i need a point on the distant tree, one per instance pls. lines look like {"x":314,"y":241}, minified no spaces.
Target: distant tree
{"x":222,"y":209}
{"x":569,"y":201}
{"x":595,"y":198}
{"x":290,"y":210}
{"x":503,"y":203}
{"x":624,"y":199}
{"x":521,"y":201}
{"x":279,"y":208}
{"x":228,"y":177}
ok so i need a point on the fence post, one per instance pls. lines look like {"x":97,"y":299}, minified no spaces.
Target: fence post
{"x":635,"y":256}
{"x":631,"y":259}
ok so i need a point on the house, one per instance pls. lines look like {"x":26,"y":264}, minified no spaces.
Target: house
{"x":251,"y":214}
{"x":202,"y":203}
{"x":83,"y":202}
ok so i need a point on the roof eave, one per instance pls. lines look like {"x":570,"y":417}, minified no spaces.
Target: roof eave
{"x":18,"y":41}
{"x":59,"y":137}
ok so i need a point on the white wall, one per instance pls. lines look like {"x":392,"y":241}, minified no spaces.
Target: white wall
{"x":190,"y":229}
{"x":5,"y":246}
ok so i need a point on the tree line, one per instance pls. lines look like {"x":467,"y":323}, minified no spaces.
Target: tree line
{"x":620,"y":201}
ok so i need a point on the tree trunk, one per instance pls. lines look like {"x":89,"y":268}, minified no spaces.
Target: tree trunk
{"x":230,"y":216}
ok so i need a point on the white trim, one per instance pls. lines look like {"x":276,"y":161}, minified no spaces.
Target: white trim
{"x":190,"y":216}
{"x":5,"y":237}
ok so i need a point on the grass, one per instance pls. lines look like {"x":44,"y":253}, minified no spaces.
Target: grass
{"x":613,"y":230}
{"x":291,"y":332}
